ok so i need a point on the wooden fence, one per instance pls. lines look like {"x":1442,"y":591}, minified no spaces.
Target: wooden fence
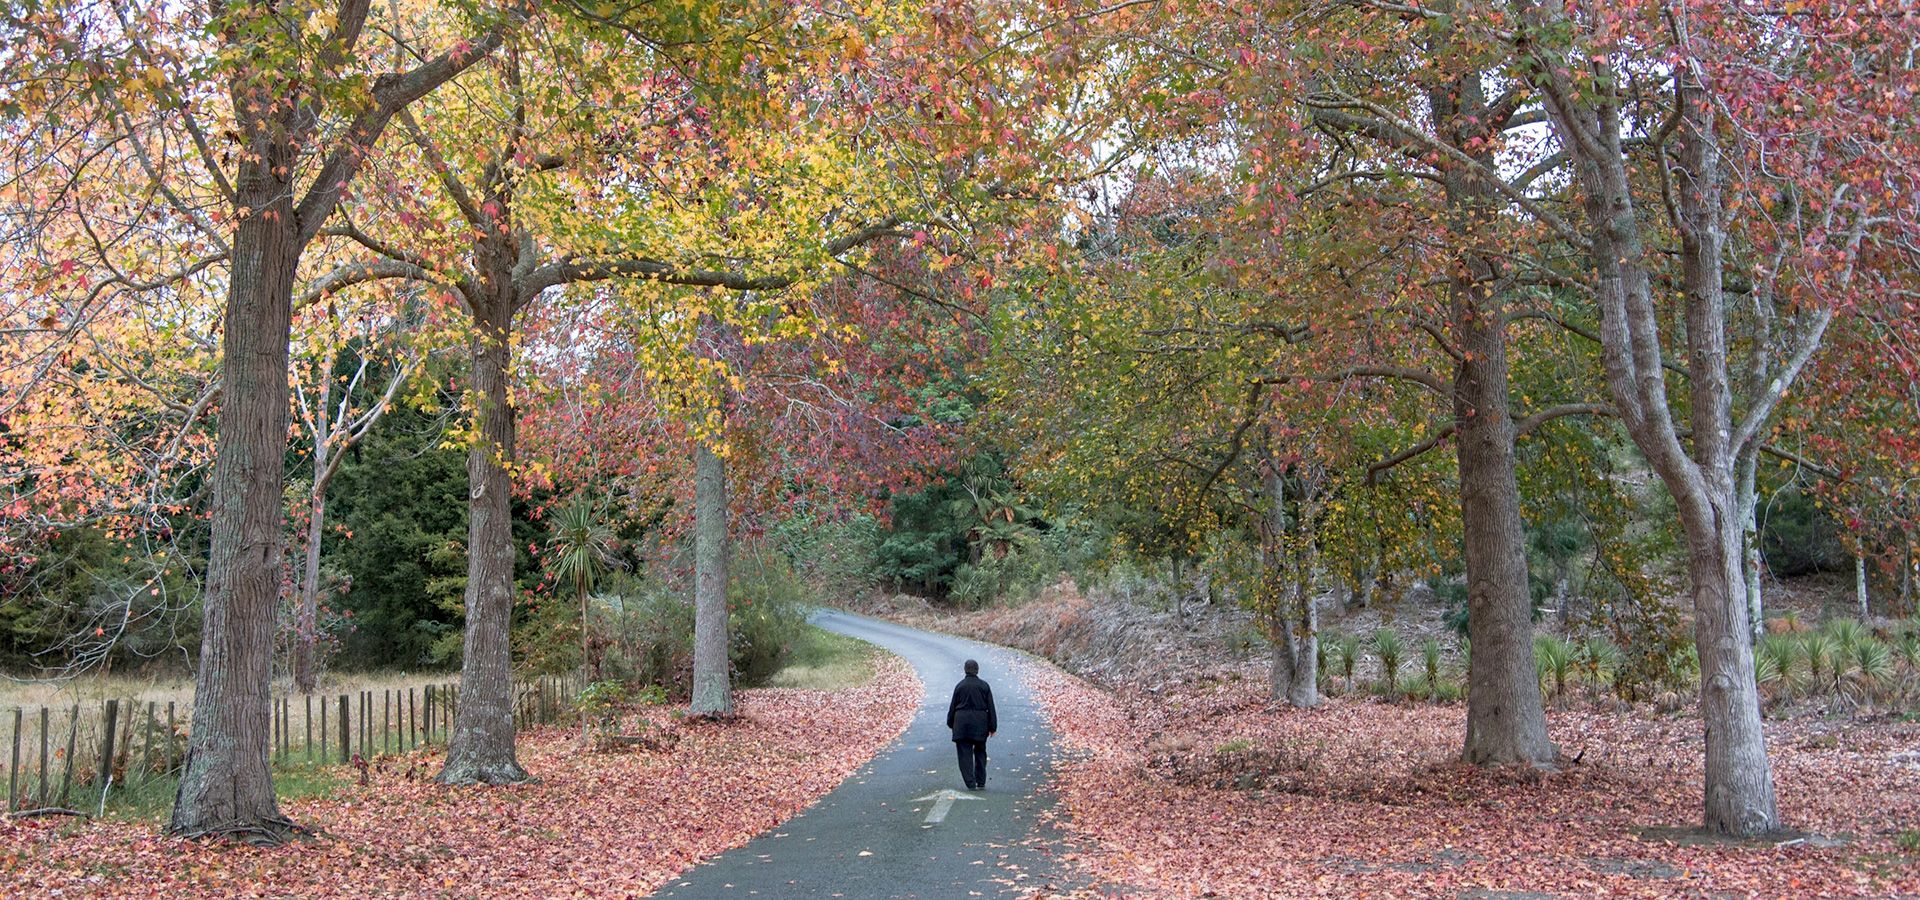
{"x":84,"y":752}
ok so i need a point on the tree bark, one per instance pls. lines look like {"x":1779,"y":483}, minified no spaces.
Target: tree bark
{"x":1506,"y":721}
{"x":1740,"y":796}
{"x":1302,"y":646}
{"x":712,"y":685}
{"x":1286,"y":599}
{"x":227,"y":785}
{"x":1753,"y":564}
{"x":1860,"y":586}
{"x":481,"y":747}
{"x":1739,"y":783}
{"x":306,"y":618}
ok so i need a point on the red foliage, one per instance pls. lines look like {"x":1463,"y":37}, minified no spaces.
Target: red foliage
{"x":1210,"y":790}
{"x":596,"y":825}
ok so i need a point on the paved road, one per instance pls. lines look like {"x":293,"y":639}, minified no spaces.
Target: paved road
{"x":870,"y":837}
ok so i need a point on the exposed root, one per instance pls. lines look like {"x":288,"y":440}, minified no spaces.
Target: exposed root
{"x":47,"y":811}
{"x":272,"y":832}
{"x":495,"y":774}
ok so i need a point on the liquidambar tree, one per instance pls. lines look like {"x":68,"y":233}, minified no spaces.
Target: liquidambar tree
{"x":1779,"y":159}
{"x":274,"y":108}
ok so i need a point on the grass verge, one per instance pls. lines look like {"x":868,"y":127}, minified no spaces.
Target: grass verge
{"x":821,"y":660}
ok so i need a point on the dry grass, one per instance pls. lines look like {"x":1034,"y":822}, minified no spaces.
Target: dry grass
{"x":93,"y":688}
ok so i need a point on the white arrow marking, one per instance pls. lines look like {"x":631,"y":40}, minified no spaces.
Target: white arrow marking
{"x":942,"y":804}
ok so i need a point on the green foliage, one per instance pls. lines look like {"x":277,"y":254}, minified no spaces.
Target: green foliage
{"x":836,"y":555}
{"x":1797,"y":537}
{"x":600,"y":702}
{"x":1391,"y":651}
{"x":581,"y":547}
{"x":1599,"y":659}
{"x":1822,"y":655}
{"x":145,"y":604}
{"x":1842,"y":660}
{"x":1028,"y":566}
{"x":399,"y":537}
{"x":1345,"y":653}
{"x":647,"y":624}
{"x":1430,"y":663}
{"x":1553,"y":661}
{"x":1775,"y":661}
{"x":925,"y":542}
{"x":1847,"y":635}
{"x":766,"y":611}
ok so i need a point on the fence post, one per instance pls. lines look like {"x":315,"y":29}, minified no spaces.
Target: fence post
{"x":386,"y":721}
{"x":309,"y":722}
{"x":346,"y":731}
{"x":172,"y":732}
{"x":13,"y":770}
{"x":43,"y":756}
{"x":109,"y":717}
{"x":126,"y":737}
{"x":146,"y":730}
{"x":73,"y":735}
{"x":413,"y":722}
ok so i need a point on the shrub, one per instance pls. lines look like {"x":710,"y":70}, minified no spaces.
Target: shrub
{"x":1599,"y":658}
{"x":1391,"y":651}
{"x":1430,"y":664}
{"x":1847,"y":635}
{"x":766,"y":609}
{"x":1774,"y":662}
{"x":649,"y":623}
{"x":1345,"y":653}
{"x":1553,"y":661}
{"x":1906,"y":648}
{"x":600,"y":702}
{"x":1819,"y":650}
{"x":1871,"y":671}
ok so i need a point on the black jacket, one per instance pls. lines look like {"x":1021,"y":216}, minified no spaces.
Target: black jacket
{"x":971,"y":714}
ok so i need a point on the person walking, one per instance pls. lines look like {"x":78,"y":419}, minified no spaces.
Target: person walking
{"x":972,"y":718}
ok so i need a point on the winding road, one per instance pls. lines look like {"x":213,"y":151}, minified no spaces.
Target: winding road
{"x":904,"y":825}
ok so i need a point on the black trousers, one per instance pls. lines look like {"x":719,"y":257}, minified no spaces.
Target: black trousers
{"x":973,"y":762}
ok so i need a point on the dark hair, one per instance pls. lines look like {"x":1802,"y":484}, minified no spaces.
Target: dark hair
{"x":973,"y":668}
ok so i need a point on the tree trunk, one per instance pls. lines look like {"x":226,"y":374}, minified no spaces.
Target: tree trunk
{"x":712,"y":688}
{"x":227,"y":786}
{"x":1286,"y":602}
{"x":1860,"y":585}
{"x":1739,"y":789}
{"x":481,"y":749}
{"x":1302,"y":646}
{"x":306,"y":618}
{"x":1506,"y":722}
{"x":1748,"y":502}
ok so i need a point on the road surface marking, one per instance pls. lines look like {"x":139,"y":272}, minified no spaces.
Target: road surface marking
{"x":942,"y":804}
